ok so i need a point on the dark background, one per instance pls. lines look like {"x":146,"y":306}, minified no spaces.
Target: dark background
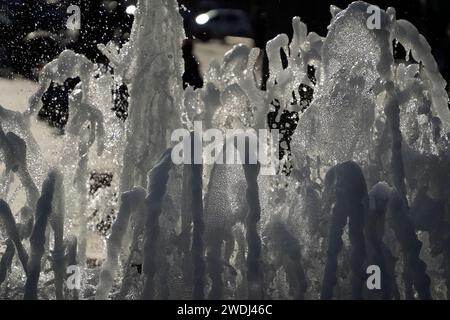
{"x":268,"y":18}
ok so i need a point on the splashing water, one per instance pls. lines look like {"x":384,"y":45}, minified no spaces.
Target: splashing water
{"x":370,"y":180}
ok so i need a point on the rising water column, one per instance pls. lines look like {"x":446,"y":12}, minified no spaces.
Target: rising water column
{"x":152,"y":64}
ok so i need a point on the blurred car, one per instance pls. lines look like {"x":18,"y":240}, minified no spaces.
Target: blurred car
{"x":219,"y":23}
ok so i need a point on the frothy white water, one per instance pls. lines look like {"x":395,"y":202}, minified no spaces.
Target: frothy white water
{"x":371,"y":148}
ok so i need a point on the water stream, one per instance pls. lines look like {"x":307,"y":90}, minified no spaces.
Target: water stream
{"x":369,"y":181}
